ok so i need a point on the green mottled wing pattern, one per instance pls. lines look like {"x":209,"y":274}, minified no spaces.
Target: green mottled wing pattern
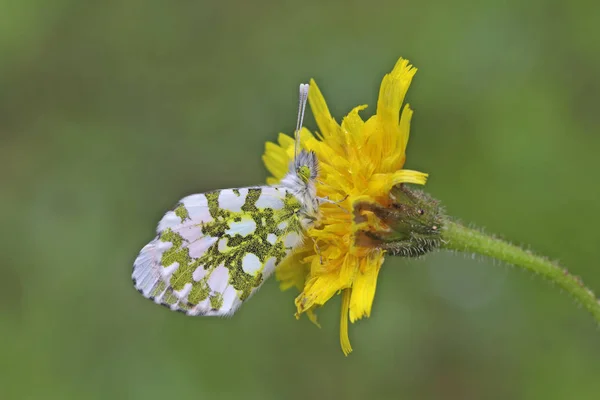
{"x":214,"y":250}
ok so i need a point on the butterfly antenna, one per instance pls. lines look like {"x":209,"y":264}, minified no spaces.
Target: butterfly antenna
{"x":301,"y":107}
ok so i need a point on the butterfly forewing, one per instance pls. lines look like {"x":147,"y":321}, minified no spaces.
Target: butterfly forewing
{"x":214,"y":250}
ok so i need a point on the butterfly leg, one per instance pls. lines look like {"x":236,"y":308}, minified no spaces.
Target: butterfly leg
{"x":317,"y":250}
{"x":337,"y":203}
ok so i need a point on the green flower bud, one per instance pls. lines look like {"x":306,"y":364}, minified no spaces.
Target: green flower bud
{"x":411,"y":224}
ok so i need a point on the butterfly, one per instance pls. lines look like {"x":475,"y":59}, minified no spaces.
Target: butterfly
{"x":214,"y":250}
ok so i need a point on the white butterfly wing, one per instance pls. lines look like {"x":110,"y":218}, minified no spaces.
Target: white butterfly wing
{"x":214,"y":250}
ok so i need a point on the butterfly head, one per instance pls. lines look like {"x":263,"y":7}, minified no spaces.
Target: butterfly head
{"x":305,"y":166}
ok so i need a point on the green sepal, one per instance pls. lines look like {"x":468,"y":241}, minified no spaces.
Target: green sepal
{"x":413,"y":220}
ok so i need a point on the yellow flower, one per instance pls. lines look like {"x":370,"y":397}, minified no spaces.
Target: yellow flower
{"x":359,"y":161}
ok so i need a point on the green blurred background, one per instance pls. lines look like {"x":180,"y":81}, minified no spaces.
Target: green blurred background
{"x":112,"y":111}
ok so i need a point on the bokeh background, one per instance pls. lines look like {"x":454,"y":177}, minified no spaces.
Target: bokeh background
{"x":112,"y":111}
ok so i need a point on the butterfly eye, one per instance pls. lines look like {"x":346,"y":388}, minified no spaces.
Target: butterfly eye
{"x":304,"y":173}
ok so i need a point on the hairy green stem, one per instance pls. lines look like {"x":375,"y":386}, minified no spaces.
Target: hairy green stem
{"x":460,"y":238}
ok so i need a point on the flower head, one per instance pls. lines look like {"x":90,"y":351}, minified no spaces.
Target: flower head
{"x":360,"y":162}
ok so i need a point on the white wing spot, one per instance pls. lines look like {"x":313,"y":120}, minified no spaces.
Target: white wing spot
{"x":200,"y":308}
{"x":199,"y":273}
{"x":197,"y":208}
{"x":191,"y":232}
{"x":291,"y":240}
{"x":231,"y":302}
{"x":183,"y":293}
{"x":282,"y":225}
{"x":265,"y":201}
{"x":222,"y":245}
{"x":219,"y":279}
{"x":271,"y":238}
{"x":170,"y":220}
{"x":244,"y":227}
{"x":163,"y":246}
{"x":167,"y":272}
{"x":251,"y":264}
{"x":194,"y":200}
{"x":228,"y":200}
{"x":199,"y":247}
{"x":158,"y":299}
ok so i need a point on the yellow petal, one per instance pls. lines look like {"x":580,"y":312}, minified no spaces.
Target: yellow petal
{"x":392,"y":91}
{"x":363,"y":288}
{"x":344,"y":338}
{"x":312,"y":316}
{"x":275,"y":160}
{"x":285,"y":141}
{"x":353,"y":123}
{"x":380,"y":184}
{"x":292,"y":272}
{"x":405,"y":118}
{"x":325,"y":121}
{"x":306,"y":136}
{"x":330,"y":130}
{"x":320,"y":287}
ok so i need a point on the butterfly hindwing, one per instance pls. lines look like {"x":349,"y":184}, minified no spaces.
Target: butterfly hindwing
{"x":214,"y":250}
